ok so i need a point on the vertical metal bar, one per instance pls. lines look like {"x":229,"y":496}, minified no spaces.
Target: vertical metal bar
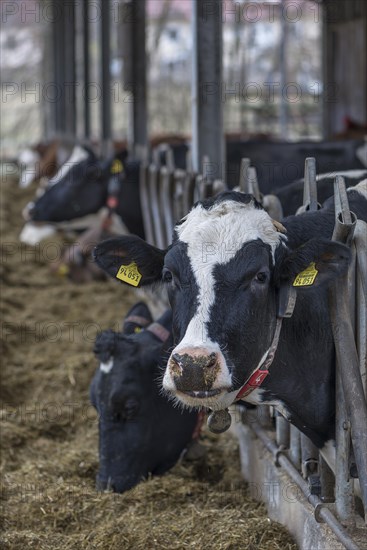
{"x":295,"y":447}
{"x":310,"y":185}
{"x":86,"y":69}
{"x":309,"y":456}
{"x":351,"y":409}
{"x":283,"y":106}
{"x":327,"y":479}
{"x":360,"y":242}
{"x":282,"y":431}
{"x":70,"y":69}
{"x":105,"y":78}
{"x":207,"y":106}
{"x":243,"y":183}
{"x":139,"y":110}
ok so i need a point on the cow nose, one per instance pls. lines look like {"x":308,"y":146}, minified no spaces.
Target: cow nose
{"x":204,"y":361}
{"x":194,"y":369}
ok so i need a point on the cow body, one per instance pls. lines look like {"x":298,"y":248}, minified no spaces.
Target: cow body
{"x":291,"y":195}
{"x":140,"y":432}
{"x":281,"y":163}
{"x":224,"y":273}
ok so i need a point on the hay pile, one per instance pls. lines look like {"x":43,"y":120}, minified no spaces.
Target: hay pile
{"x":49,"y":431}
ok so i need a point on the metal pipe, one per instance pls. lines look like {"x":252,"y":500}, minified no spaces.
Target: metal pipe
{"x":145,"y":203}
{"x":309,"y":456}
{"x":243,"y":183}
{"x":69,"y":92}
{"x":323,"y":512}
{"x":86,"y":68}
{"x":295,"y":447}
{"x":282,"y":431}
{"x":207,"y":105}
{"x":105,"y":78}
{"x":346,"y":353}
{"x":310,"y":185}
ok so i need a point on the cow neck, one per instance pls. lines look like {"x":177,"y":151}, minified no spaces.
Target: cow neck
{"x":256,"y":379}
{"x":285,"y":307}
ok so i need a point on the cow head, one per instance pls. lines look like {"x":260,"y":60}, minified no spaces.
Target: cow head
{"x":139,"y":430}
{"x":223,"y":272}
{"x":78,"y":189}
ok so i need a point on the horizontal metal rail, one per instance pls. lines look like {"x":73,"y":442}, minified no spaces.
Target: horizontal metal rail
{"x":320,"y":509}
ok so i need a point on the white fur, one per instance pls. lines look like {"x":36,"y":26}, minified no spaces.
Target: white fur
{"x":33,"y":234}
{"x":28,"y":159}
{"x":213,"y":237}
{"x":346,"y":173}
{"x":106,"y":367}
{"x":78,"y":155}
{"x":361,"y":188}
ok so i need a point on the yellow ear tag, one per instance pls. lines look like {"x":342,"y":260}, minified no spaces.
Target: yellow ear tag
{"x":137,"y":330}
{"x":117,"y":167}
{"x":63,"y":270}
{"x":306,"y":277}
{"x":129,"y":274}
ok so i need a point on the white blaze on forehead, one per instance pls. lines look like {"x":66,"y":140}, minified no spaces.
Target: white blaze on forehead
{"x":361,"y":188}
{"x":107,"y":367}
{"x":78,"y":155}
{"x":214,"y":237}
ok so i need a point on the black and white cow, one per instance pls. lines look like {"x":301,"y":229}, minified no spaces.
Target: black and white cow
{"x":80,"y":189}
{"x":224,"y":272}
{"x":140,"y":432}
{"x":291,"y":195}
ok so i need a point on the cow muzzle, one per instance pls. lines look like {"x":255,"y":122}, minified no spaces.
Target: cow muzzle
{"x":194,"y":372}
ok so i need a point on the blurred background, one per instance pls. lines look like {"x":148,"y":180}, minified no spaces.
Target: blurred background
{"x":261,"y":50}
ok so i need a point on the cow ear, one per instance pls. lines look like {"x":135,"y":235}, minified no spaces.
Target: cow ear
{"x":315,"y":263}
{"x":130,"y":260}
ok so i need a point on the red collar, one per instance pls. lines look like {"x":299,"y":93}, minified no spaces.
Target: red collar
{"x":262,"y":371}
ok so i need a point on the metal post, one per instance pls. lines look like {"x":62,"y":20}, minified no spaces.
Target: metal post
{"x":105,"y":78}
{"x":349,"y":388}
{"x":283,"y":111}
{"x":59,"y":65}
{"x":207,"y":107}
{"x":282,"y":431}
{"x":295,"y":447}
{"x":139,"y":111}
{"x":86,"y":68}
{"x":69,"y":92}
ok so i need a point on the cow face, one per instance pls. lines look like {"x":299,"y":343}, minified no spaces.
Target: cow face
{"x":78,"y":189}
{"x":139,"y":430}
{"x":223,"y":273}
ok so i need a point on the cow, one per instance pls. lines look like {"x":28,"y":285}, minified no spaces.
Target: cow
{"x":79,"y":190}
{"x":140,"y":432}
{"x":281,"y":163}
{"x":291,"y":195}
{"x":228,"y":273}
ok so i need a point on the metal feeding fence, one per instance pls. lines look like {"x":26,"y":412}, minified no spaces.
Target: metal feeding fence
{"x":167,"y":195}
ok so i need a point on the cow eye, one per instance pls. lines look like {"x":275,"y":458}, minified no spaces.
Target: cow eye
{"x":261,"y":277}
{"x":167,"y":276}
